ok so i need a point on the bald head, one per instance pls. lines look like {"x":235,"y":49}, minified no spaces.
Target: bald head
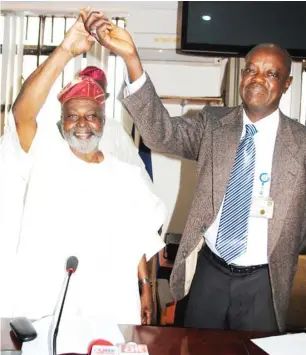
{"x":271,"y":47}
{"x":265,"y":78}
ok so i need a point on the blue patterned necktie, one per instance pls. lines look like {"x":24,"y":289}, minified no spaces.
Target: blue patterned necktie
{"x":233,"y":227}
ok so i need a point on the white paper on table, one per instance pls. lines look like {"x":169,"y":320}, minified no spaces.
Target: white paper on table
{"x":74,"y":336}
{"x":293,"y":344}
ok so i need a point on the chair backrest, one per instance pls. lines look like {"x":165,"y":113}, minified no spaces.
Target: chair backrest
{"x":296,"y":320}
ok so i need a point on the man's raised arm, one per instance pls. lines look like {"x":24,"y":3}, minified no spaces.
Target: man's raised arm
{"x":176,"y":135}
{"x":36,"y":88}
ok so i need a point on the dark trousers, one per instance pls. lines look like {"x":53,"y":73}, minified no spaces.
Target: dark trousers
{"x":221,"y":299}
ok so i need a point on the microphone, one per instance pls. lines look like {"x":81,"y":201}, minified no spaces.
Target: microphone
{"x":71,"y":266}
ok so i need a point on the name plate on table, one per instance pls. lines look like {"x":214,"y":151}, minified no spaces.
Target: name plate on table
{"x":104,"y":349}
{"x":120,"y":349}
{"x":132,"y":348}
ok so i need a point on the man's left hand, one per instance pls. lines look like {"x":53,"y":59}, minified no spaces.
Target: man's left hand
{"x":146,"y":304}
{"x":77,"y":40}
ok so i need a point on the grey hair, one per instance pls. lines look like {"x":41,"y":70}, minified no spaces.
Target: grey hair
{"x":286,"y":56}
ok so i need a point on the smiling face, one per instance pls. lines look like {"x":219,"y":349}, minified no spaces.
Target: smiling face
{"x":265,"y":79}
{"x":82,"y":124}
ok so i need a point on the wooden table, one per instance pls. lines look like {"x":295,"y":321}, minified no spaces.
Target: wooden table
{"x":176,"y":341}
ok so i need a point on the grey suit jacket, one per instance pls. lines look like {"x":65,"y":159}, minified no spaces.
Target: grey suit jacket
{"x":211,"y":138}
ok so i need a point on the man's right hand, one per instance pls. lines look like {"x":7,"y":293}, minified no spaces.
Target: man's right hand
{"x":116,"y":39}
{"x":77,"y":40}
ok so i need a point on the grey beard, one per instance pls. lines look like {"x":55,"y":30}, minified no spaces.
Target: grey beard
{"x":83,"y":146}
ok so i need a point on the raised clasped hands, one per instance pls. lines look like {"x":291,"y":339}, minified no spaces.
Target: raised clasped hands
{"x":91,"y":26}
{"x":114,"y":38}
{"x":78,"y":40}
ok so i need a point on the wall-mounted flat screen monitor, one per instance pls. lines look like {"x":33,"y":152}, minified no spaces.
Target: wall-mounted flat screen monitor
{"x":232,"y":28}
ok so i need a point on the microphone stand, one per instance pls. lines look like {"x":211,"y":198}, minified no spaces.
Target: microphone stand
{"x":70,"y":272}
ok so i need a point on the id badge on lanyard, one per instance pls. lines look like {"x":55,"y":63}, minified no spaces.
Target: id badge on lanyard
{"x":262,"y":206}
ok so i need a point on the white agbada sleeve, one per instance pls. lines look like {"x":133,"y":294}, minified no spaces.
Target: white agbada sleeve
{"x":117,"y":142}
{"x":15,"y":173}
{"x":150,"y":216}
{"x":11,"y":152}
{"x":15,"y":167}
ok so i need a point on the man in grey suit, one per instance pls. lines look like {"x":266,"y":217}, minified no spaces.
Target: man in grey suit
{"x":247,"y":223}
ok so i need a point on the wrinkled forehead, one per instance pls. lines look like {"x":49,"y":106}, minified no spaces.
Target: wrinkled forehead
{"x":269,"y":56}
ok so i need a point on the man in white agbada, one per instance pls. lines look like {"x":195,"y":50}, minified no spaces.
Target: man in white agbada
{"x":76,"y":200}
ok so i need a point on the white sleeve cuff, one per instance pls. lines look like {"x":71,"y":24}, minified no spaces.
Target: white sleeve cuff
{"x":131,"y":88}
{"x":153,"y":245}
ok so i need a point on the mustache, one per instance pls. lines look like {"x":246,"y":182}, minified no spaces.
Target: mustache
{"x":255,"y":87}
{"x":87,"y":130}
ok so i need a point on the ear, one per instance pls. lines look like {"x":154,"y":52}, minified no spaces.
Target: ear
{"x":288,"y":83}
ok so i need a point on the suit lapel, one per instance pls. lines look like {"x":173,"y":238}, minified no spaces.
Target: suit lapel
{"x":285,"y":169}
{"x":226,"y":136}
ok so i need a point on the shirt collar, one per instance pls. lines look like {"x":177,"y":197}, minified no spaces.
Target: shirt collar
{"x":266,"y":125}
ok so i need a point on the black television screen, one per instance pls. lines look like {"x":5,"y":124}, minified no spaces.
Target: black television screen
{"x":232,"y":28}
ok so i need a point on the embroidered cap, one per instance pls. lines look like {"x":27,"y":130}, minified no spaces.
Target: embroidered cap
{"x":89,"y":84}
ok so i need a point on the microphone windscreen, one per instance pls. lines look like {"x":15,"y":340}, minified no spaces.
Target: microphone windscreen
{"x":72,"y":263}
